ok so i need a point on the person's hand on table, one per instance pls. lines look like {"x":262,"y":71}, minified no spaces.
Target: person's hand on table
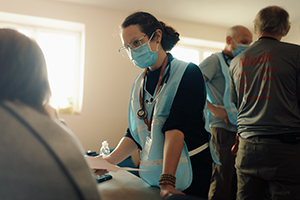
{"x":100,"y":172}
{"x":166,"y":190}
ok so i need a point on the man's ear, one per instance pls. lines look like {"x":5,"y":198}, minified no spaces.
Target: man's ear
{"x":228,"y":40}
{"x":255,"y":29}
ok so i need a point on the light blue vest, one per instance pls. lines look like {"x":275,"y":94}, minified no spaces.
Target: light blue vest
{"x":139,"y":130}
{"x":229,"y":106}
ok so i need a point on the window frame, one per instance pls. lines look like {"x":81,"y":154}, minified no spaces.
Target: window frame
{"x":38,"y":24}
{"x":200,"y":45}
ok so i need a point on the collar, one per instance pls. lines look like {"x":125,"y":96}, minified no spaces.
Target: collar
{"x":170,"y":58}
{"x":267,"y":37}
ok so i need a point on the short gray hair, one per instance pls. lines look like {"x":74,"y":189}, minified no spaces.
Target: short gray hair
{"x":272,"y":20}
{"x":233,"y":31}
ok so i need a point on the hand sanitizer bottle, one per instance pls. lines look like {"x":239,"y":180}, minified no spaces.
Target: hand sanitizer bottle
{"x":104,"y":150}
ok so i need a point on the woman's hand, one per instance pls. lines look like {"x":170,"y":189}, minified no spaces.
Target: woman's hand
{"x":166,"y":190}
{"x":125,"y":148}
{"x":100,"y":172}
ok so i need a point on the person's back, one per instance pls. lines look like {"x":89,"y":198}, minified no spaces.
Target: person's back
{"x":265,"y":87}
{"x":273,"y":91}
{"x":40,"y":159}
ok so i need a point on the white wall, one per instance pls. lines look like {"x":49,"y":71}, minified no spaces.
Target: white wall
{"x":294,"y":34}
{"x":108,"y":75}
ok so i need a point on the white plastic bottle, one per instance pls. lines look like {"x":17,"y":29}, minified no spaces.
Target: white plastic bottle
{"x":104,"y":150}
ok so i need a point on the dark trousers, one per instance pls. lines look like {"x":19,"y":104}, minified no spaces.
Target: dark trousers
{"x":201,"y":165}
{"x":262,"y":163}
{"x":223,"y":181}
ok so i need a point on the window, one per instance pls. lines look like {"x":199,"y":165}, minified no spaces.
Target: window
{"x":186,"y":54}
{"x":195,"y":50}
{"x":63,"y":45}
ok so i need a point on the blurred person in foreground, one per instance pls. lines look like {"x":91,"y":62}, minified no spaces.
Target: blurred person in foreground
{"x":40,"y":156}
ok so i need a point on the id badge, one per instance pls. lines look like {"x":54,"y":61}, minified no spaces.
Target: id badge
{"x":147,"y":146}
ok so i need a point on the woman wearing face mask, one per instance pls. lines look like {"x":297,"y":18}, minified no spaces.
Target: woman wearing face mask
{"x":166,"y":107}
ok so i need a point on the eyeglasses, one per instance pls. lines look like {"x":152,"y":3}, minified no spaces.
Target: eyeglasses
{"x":135,"y":45}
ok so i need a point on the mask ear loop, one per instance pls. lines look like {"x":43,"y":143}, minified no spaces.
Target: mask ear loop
{"x":157,"y":41}
{"x":149,"y":43}
{"x":157,"y":46}
{"x":235,"y":43}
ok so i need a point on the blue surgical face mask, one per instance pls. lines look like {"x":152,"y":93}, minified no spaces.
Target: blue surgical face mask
{"x":239,"y":49}
{"x":144,"y":57}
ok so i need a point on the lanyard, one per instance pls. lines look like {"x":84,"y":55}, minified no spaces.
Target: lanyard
{"x":226,"y":58}
{"x":142,"y":113}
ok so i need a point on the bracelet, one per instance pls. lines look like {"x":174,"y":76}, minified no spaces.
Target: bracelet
{"x":167,"y":179}
{"x":166,"y":183}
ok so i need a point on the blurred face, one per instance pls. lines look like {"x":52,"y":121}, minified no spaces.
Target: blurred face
{"x":244,"y":37}
{"x":26,"y":77}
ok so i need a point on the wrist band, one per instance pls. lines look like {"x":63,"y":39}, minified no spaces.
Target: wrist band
{"x":166,"y":183}
{"x":167,"y":179}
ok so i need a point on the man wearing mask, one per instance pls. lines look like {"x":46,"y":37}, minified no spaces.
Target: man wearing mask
{"x":265,"y":87}
{"x":222,"y":113}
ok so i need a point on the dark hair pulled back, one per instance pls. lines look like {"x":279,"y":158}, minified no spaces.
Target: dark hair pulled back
{"x":148,"y":24}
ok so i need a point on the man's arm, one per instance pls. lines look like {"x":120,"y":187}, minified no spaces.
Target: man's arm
{"x":217,"y":111}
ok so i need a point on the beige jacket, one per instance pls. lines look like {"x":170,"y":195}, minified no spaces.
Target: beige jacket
{"x":41,"y":158}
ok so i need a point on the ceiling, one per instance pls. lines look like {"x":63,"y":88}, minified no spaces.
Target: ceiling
{"x":224,"y":13}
